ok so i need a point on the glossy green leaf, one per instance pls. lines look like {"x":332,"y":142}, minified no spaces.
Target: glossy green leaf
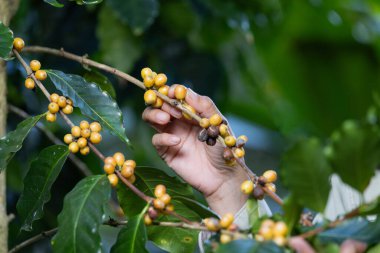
{"x":202,"y":210}
{"x":12,"y":142}
{"x":292,"y":212}
{"x":94,"y":76}
{"x":138,"y":14}
{"x":79,"y":221}
{"x":91,"y":100}
{"x":305,"y":171}
{"x":132,"y":238}
{"x":249,"y":246}
{"x":43,"y":172}
{"x":80,"y":2}
{"x":354,"y":153}
{"x":253,"y":211}
{"x":54,"y":3}
{"x":6,"y":41}
{"x":374,"y":249}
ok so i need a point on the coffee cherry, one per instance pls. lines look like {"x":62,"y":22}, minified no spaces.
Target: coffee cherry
{"x":204,"y":122}
{"x":212,"y":224}
{"x":223,"y":130}
{"x":279,"y":240}
{"x":160,"y":80}
{"x":231,"y":163}
{"x":224,"y":238}
{"x":262,"y":180}
{"x":169,"y":207}
{"x":153,"y":214}
{"x":68,"y":138}
{"x":158,"y":204}
{"x":164,"y":90}
{"x":180,"y":92}
{"x":18,"y":44}
{"x":119,"y":158}
{"x":215,"y":119}
{"x":82,"y":142}
{"x":51,"y":117}
{"x":73,"y":147}
{"x":53,"y":107}
{"x":29,"y":83}
{"x":113,"y":179}
{"x":35,"y":65}
{"x":258,"y":192}
{"x":159,"y":190}
{"x":228,"y":155}
{"x":247,"y":187}
{"x":239,"y":152}
{"x":69,"y":101}
{"x":95,"y":137}
{"x":62,"y":101}
{"x":259,"y":238}
{"x":211,"y":141}
{"x":280,"y":229}
{"x":147,"y":220}
{"x":110,"y":160}
{"x":85,"y":150}
{"x":213,"y":132}
{"x":268,"y":223}
{"x":150,"y":97}
{"x":230,"y":141}
{"x":148,"y":81}
{"x":189,"y":108}
{"x":84,"y":124}
{"x":203,"y":136}
{"x":109,"y":168}
{"x":68,"y":109}
{"x":40,"y":75}
{"x":154,"y":74}
{"x":270,"y":176}
{"x":132,"y":179}
{"x":146,"y":72}
{"x":226,"y":220}
{"x":130,"y":163}
{"x":266,"y":233}
{"x":85,"y":133}
{"x":158,"y":104}
{"x":95,"y":127}
{"x":54,"y":97}
{"x":127,"y":171}
{"x":271,"y":187}
{"x":166,"y":198}
{"x":75,"y":131}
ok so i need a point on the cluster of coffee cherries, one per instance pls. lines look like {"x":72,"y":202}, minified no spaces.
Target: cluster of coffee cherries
{"x":118,"y":162}
{"x":80,"y":135}
{"x":271,"y":230}
{"x":266,"y":180}
{"x":160,"y":204}
{"x":222,"y":225}
{"x":57,"y":103}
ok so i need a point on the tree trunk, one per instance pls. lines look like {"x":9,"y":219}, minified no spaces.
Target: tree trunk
{"x":7,"y":9}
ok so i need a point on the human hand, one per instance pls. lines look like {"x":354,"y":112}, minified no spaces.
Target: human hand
{"x":300,"y":245}
{"x":200,"y":165}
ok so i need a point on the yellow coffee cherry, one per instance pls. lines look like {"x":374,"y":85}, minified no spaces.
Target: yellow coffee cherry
{"x":150,"y":97}
{"x":226,"y":220}
{"x":216,"y":120}
{"x":85,"y":150}
{"x":266,"y":232}
{"x":40,"y":75}
{"x":165,"y":198}
{"x":54,"y":97}
{"x":82,"y":142}
{"x":85,"y":133}
{"x":191,"y":109}
{"x":243,"y":137}
{"x":110,"y":160}
{"x":279,"y":240}
{"x":239,"y":152}
{"x":127,"y":171}
{"x":51,"y":117}
{"x":109,"y":168}
{"x":146,"y":72}
{"x":180,"y":92}
{"x":29,"y":83}
{"x":147,"y":220}
{"x":230,"y":141}
{"x":35,"y":65}
{"x":132,"y":179}
{"x":170,"y":207}
{"x":130,"y":163}
{"x":159,"y":190}
{"x":259,"y":238}
{"x":148,"y":81}
{"x":62,"y":101}
{"x":280,"y":229}
{"x":158,"y":204}
{"x":95,"y":127}
{"x":75,"y":131}
{"x":113,"y":179}
{"x":95,"y":137}
{"x":154,"y":74}
{"x":212,"y":224}
{"x":73,"y":147}
{"x":271,"y":187}
{"x":268,"y":223}
{"x":247,"y":187}
{"x":270,"y":176}
{"x":53,"y":107}
{"x":223,"y":130}
{"x":158,"y":104}
{"x":164,"y":90}
{"x":160,"y":80}
{"x":84,"y":124}
{"x":68,"y":109}
{"x":18,"y":44}
{"x":224,"y":238}
{"x":68,"y":138}
{"x":119,"y":158}
{"x":204,"y":122}
{"x":69,"y":101}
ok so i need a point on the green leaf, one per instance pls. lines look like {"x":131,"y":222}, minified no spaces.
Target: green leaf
{"x":80,"y":2}
{"x":79,"y":221}
{"x":306,"y":172}
{"x":253,"y":211}
{"x":372,"y":208}
{"x":374,"y":249}
{"x":101,"y":80}
{"x":354,"y":153}
{"x":132,"y":238}
{"x":54,"y":3}
{"x":292,"y":212}
{"x":43,"y":172}
{"x":91,"y":100}
{"x":6,"y":41}
{"x":12,"y":142}
{"x":138,"y":14}
{"x":202,"y":210}
{"x":249,"y":246}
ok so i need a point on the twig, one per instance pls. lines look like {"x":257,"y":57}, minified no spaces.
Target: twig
{"x":45,"y":234}
{"x":133,"y":188}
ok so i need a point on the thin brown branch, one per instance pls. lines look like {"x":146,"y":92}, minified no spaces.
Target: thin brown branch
{"x":133,"y":188}
{"x":43,"y":235}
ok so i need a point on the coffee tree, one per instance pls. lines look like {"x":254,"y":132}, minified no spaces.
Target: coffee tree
{"x":157,"y":207}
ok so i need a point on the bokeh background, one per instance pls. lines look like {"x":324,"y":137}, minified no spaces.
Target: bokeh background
{"x":278,"y":69}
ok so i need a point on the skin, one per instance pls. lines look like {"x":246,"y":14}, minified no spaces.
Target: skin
{"x":200,"y":165}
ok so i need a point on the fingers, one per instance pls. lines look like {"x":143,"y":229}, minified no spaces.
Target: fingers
{"x":165,"y":140}
{"x":156,"y":116}
{"x":300,"y":245}
{"x":353,"y":246}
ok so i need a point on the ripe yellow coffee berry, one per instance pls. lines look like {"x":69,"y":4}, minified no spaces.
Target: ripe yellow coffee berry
{"x":54,"y":97}
{"x":279,"y":240}
{"x":148,"y":81}
{"x":189,"y":108}
{"x":68,"y":138}
{"x":212,"y":224}
{"x":95,"y":127}
{"x":109,"y":168}
{"x":95,"y":137}
{"x":158,"y":204}
{"x":29,"y":83}
{"x":69,"y":101}
{"x":119,"y":158}
{"x":216,"y":120}
{"x":132,"y":179}
{"x":51,"y":117}
{"x":73,"y":147}
{"x":230,"y":141}
{"x":247,"y":187}
{"x":127,"y":171}
{"x":146,"y":72}
{"x":159,"y":190}
{"x":113,"y":179}
{"x":85,"y":133}
{"x":204,"y":122}
{"x":62,"y":101}
{"x":170,"y":207}
{"x":158,"y":104}
{"x":40,"y":75}
{"x":18,"y":44}
{"x":268,"y":223}
{"x":266,"y":232}
{"x":35,"y":65}
{"x":68,"y":109}
{"x":226,"y":220}
{"x":160,"y":80}
{"x":84,"y":124}
{"x":53,"y":107}
{"x":239,"y":152}
{"x":164,"y":90}
{"x":270,"y":176}
{"x":150,"y":97}
{"x":280,"y":229}
{"x":85,"y":150}
{"x":147,"y":220}
{"x":82,"y":142}
{"x":165,"y":198}
{"x":130,"y":163}
{"x":75,"y":131}
{"x":223,"y":130}
{"x":271,"y":187}
{"x":180,"y":92}
{"x":110,"y":160}
{"x":224,"y":238}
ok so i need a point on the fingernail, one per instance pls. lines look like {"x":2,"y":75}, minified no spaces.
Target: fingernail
{"x":174,"y":140}
{"x":175,"y":113}
{"x":161,"y":117}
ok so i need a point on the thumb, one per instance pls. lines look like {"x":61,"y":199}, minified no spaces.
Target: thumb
{"x":202,"y":104}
